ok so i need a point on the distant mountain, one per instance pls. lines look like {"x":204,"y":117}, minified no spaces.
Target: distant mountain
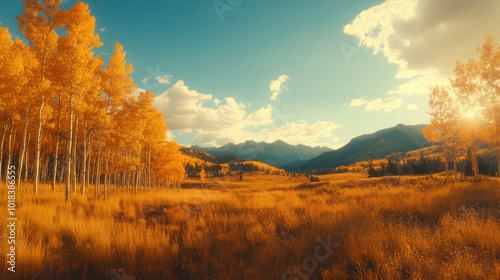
{"x":276,"y":154}
{"x":401,"y":138}
{"x":204,"y":156}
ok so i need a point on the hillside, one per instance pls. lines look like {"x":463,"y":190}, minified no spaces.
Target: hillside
{"x":195,"y":161}
{"x":276,"y":154}
{"x":401,"y":138}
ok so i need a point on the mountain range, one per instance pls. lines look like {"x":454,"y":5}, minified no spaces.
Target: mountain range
{"x":401,"y":138}
{"x":276,"y":154}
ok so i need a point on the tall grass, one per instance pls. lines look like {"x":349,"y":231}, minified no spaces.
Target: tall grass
{"x":266,"y":227}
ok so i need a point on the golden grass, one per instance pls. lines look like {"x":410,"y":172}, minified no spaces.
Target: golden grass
{"x":266,"y":227}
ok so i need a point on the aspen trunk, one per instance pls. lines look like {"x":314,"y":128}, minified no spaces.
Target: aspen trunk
{"x":475,"y":168}
{"x":27,"y":159}
{"x":23,"y":149}
{"x":89,"y":167}
{"x":106,"y":175}
{"x":56,"y":150}
{"x":84,"y":159}
{"x":75,"y":159}
{"x":63,"y":169}
{"x":98,"y":172}
{"x":38,"y":146}
{"x":69,"y":157}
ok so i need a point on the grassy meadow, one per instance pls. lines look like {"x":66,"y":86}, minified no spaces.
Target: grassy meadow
{"x":346,"y":226}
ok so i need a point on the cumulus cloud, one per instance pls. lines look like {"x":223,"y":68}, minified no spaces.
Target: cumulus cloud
{"x":277,"y":87}
{"x":102,"y":29}
{"x":217,"y":122}
{"x":386,"y":105}
{"x":164,"y":79}
{"x":184,"y":108}
{"x":187,"y":110}
{"x":425,"y":37}
{"x":263,"y":116}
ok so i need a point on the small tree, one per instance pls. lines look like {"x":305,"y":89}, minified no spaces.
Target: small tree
{"x":371,"y":171}
{"x":392,"y":168}
{"x":442,"y":129}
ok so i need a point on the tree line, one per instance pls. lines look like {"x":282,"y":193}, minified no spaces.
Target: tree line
{"x":424,"y":165}
{"x":67,"y":116}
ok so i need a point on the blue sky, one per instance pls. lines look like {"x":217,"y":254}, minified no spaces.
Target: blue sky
{"x":215,"y":65}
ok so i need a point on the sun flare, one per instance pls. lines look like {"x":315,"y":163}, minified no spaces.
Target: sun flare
{"x":473,"y":112}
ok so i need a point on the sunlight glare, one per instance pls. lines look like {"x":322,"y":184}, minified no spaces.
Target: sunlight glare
{"x":474,"y":112}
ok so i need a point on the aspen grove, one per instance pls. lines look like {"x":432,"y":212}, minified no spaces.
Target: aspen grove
{"x":69,"y":118}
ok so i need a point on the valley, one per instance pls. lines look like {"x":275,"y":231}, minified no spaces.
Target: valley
{"x":346,"y":226}
{"x":234,"y":140}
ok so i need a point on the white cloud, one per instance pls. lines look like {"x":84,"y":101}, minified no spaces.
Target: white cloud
{"x":102,"y":29}
{"x":277,"y":87}
{"x":387,"y":105}
{"x":421,"y":85}
{"x":263,"y":116}
{"x":184,"y":108}
{"x":358,"y":102}
{"x":425,"y":37}
{"x":164,"y":79}
{"x":218,"y":122}
{"x":411,"y":107}
{"x":187,"y":110}
{"x":146,"y":79}
{"x":300,"y":132}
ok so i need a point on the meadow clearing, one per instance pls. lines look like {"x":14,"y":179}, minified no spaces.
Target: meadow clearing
{"x":346,"y":226}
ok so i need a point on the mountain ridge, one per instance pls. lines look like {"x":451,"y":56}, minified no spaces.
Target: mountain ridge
{"x":277,"y":153}
{"x":379,"y":144}
{"x":400,"y":138}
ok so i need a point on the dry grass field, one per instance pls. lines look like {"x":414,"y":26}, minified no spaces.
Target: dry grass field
{"x":267,"y":227}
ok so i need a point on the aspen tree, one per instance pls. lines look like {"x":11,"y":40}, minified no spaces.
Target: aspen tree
{"x":39,"y":23}
{"x":76,"y":48}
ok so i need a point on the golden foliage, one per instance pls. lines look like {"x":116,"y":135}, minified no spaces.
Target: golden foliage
{"x":473,"y":118}
{"x":66,"y":115}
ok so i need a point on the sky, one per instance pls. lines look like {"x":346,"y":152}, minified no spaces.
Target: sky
{"x":316,"y":72}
